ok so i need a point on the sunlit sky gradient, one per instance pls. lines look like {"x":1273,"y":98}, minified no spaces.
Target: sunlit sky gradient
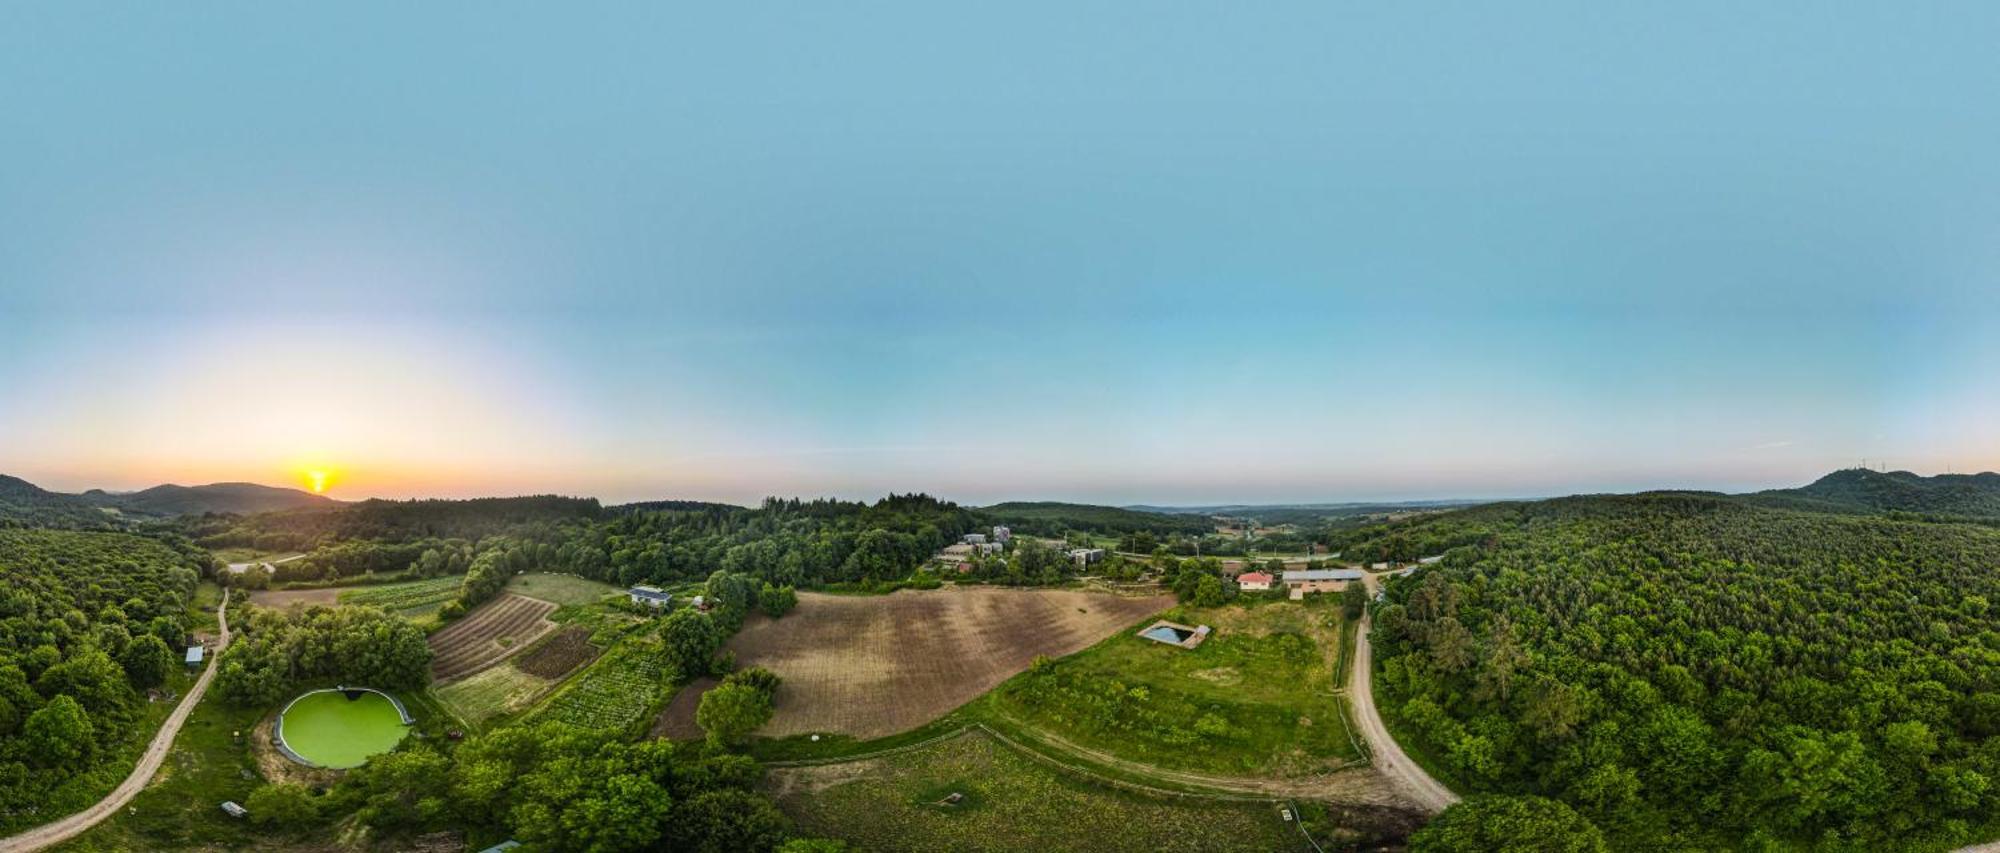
{"x":1099,"y":251}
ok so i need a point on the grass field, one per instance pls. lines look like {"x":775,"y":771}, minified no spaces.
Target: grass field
{"x":566,"y":590}
{"x":1254,"y":699}
{"x":618,"y":690}
{"x":869,"y":666}
{"x":181,"y":809}
{"x":1010,"y":803}
{"x":498,"y":690}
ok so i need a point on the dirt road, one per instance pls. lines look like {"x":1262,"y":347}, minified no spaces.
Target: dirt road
{"x":74,"y":825}
{"x":1407,"y":778}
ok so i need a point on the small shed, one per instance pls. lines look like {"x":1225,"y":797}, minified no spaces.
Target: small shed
{"x":195,"y":654}
{"x":230,"y":808}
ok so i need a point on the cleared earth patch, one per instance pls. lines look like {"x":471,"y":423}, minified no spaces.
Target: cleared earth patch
{"x":870,"y":666}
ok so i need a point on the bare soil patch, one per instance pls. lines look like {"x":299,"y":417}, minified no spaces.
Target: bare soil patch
{"x":870,"y":666}
{"x":558,"y":655}
{"x":279,"y":599}
{"x":488,"y":635}
{"x":677,"y":720}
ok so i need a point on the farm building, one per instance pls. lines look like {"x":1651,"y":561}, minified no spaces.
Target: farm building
{"x":975,"y":539}
{"x":957,"y":551}
{"x":651,"y":596}
{"x":1086,"y":556}
{"x":1254,"y":581}
{"x":1002,"y":534}
{"x":194,"y":655}
{"x":1431,"y":560}
{"x":1320,"y":580}
{"x":229,"y":807}
{"x":988,"y":547}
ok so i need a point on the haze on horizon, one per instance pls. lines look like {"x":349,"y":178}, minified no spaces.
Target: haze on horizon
{"x":1300,"y":252}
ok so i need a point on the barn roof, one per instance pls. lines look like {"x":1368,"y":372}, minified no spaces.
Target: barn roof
{"x":1324,"y":575}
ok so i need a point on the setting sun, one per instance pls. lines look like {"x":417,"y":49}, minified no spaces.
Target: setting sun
{"x":318,"y":481}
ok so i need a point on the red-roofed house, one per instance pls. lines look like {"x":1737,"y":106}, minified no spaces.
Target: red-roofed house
{"x":1253,"y":581}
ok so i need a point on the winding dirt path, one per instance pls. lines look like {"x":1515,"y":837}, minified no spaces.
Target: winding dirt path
{"x":149,"y":763}
{"x":1409,"y":779}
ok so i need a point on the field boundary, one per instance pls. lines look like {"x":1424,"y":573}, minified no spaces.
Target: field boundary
{"x":1033,"y":754}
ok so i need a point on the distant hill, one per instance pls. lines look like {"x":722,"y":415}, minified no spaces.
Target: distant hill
{"x":26,"y":503}
{"x":1860,"y":489}
{"x":239,"y":498}
{"x":1052,"y":518}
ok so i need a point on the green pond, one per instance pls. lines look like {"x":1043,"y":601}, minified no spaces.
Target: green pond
{"x":331,"y":730}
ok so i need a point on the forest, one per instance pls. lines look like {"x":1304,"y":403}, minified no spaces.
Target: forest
{"x":89,"y":621}
{"x":1698,"y":671}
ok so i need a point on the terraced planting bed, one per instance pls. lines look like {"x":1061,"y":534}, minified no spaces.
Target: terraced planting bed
{"x":488,"y":635}
{"x":616,"y":691}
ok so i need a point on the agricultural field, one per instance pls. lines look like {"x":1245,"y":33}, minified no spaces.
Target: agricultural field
{"x":497,"y":690}
{"x":619,"y":689}
{"x":558,"y":655}
{"x":1255,"y":699}
{"x":1010,"y":802}
{"x":565,"y":590}
{"x":279,"y":599}
{"x":488,"y":635}
{"x":413,"y":598}
{"x":518,"y":683}
{"x":870,"y":666}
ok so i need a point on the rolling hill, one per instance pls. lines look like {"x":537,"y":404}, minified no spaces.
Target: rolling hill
{"x":240,"y":498}
{"x":1852,"y":489}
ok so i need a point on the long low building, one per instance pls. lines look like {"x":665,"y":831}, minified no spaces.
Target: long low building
{"x":1320,"y":580}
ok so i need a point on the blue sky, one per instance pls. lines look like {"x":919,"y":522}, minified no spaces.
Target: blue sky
{"x":1100,"y":251}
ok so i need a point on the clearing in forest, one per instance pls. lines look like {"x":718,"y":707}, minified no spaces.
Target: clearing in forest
{"x":870,"y":666}
{"x":1256,"y":699}
{"x":487,"y":635}
{"x":1010,"y":802}
{"x":565,"y":590}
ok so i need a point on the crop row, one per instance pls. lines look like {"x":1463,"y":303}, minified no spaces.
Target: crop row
{"x":615,"y":692}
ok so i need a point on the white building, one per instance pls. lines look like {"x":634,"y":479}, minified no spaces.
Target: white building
{"x":1002,"y":535}
{"x":651,"y":596}
{"x":975,"y":539}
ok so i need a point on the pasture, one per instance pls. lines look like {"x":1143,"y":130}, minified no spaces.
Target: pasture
{"x":870,"y":666}
{"x":1011,"y":802}
{"x":565,"y":590}
{"x":488,"y":635}
{"x":1257,"y":698}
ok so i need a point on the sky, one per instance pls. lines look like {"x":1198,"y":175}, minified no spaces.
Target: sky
{"x":1111,"y":252}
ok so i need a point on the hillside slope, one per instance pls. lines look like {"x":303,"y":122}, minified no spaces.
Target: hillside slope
{"x":1975,"y":495}
{"x":239,"y":498}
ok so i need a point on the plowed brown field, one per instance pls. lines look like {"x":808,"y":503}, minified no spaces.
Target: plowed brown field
{"x":488,"y":635}
{"x":870,"y":666}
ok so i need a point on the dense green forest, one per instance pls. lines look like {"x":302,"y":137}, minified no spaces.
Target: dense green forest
{"x":25,"y":504}
{"x":1049,"y":518}
{"x":88,"y":621}
{"x":1692,"y":670}
{"x":1859,"y":489}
